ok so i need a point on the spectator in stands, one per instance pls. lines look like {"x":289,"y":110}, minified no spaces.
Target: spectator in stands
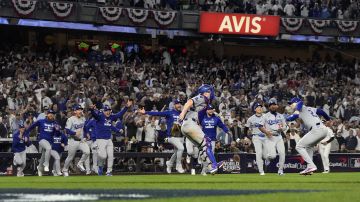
{"x":289,"y":9}
{"x":351,"y":141}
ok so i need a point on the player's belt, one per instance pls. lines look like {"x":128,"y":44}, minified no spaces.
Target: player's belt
{"x":260,"y":135}
{"x":317,"y":124}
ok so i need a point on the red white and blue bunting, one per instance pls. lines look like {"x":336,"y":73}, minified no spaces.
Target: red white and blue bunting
{"x":318,"y":26}
{"x":61,"y":9}
{"x":164,"y":18}
{"x":346,"y":26}
{"x":292,"y":24}
{"x":24,"y":7}
{"x":111,"y":14}
{"x":137,"y":15}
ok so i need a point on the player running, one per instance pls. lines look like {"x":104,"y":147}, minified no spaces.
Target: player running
{"x":317,"y":130}
{"x":325,"y":146}
{"x":209,"y":123}
{"x":258,"y":138}
{"x":191,"y":129}
{"x":104,"y":137}
{"x":20,"y":141}
{"x":57,"y":148}
{"x":75,"y":130}
{"x":173,"y":133}
{"x":46,"y":130}
{"x":273,"y":125}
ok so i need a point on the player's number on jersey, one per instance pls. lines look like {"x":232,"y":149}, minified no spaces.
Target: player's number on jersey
{"x":312,"y":113}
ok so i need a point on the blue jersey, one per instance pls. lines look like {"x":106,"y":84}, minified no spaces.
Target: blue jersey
{"x":172,"y":117}
{"x":45,"y":128}
{"x":210,"y":124}
{"x":19,"y":144}
{"x":103,"y":124}
{"x":90,"y":127}
{"x":58,"y":139}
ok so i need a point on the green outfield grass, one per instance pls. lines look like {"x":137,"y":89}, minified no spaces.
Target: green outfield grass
{"x":333,"y":187}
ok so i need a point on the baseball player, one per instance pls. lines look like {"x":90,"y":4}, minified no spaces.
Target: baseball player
{"x":75,"y":130}
{"x":46,"y":130}
{"x":192,"y":130}
{"x":258,"y":138}
{"x":103,"y":135}
{"x":325,"y":146}
{"x":20,"y":141}
{"x":174,"y":135}
{"x":273,"y":125}
{"x":57,"y":148}
{"x":89,"y":130}
{"x":209,"y":123}
{"x":317,"y":130}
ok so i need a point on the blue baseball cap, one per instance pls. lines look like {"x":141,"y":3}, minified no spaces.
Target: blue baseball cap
{"x":294,"y":100}
{"x":77,"y":107}
{"x":21,"y":125}
{"x":272,"y":101}
{"x":50,"y":111}
{"x":210,"y":107}
{"x":106,"y":108}
{"x":177,"y":101}
{"x":256,"y":105}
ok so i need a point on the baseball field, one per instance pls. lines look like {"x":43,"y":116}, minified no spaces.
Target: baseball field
{"x":333,"y":187}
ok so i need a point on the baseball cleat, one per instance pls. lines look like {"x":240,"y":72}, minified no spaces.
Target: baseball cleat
{"x":20,"y":174}
{"x":46,"y":168}
{"x":54,"y":173}
{"x":40,"y":171}
{"x":66,"y":173}
{"x":108,"y":174}
{"x":262,"y":173}
{"x":168,"y":167}
{"x":88,"y":172}
{"x":193,"y":172}
{"x":326,"y":171}
{"x":307,"y":171}
{"x":179,"y":169}
{"x":81,"y":167}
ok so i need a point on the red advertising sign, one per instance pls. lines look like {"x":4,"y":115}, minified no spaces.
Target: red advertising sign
{"x":241,"y":24}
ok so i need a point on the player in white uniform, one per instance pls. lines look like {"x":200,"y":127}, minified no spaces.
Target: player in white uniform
{"x":274,"y":126}
{"x":191,"y":129}
{"x":317,"y":131}
{"x":258,"y":138}
{"x":75,"y":130}
{"x":324,"y":148}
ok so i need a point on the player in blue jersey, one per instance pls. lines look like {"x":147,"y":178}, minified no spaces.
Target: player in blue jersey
{"x":57,"y":148}
{"x":20,"y":141}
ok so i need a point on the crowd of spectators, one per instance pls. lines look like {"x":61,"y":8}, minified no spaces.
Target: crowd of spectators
{"x":325,"y":9}
{"x":33,"y":81}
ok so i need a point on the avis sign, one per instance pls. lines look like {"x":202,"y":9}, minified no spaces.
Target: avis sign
{"x":240,"y":24}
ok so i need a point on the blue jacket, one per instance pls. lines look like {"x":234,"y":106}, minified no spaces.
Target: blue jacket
{"x":90,"y":127}
{"x":19,"y":145}
{"x":59,"y":138}
{"x":172,"y":116}
{"x":210,"y":124}
{"x":103,"y":125}
{"x":45,"y":128}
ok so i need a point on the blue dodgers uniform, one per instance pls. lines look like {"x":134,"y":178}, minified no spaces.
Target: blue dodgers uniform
{"x":90,"y":128}
{"x":172,"y":116}
{"x":103,"y":125}
{"x":210,"y":124}
{"x":56,"y":150}
{"x":45,"y":128}
{"x":175,"y":137}
{"x":19,"y":145}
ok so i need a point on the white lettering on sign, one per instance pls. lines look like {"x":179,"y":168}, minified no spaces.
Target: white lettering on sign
{"x":234,"y":24}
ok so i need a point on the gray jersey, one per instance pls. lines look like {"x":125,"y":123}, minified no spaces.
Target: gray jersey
{"x":254,"y":123}
{"x":309,"y":117}
{"x":274,"y":122}
{"x":199,"y":103}
{"x":76,"y":124}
